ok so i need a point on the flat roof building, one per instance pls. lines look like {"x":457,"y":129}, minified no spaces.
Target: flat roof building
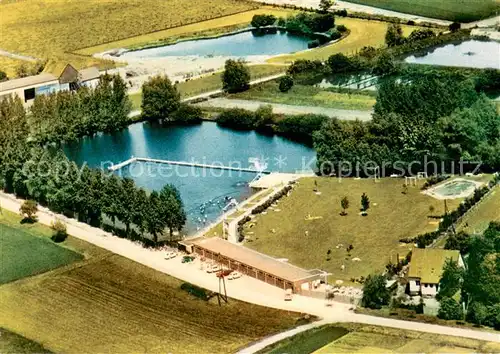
{"x":255,"y":264}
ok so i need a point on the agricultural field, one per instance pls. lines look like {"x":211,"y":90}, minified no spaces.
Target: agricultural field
{"x":27,"y":252}
{"x":452,"y":10}
{"x":111,"y":304}
{"x":362,"y":33}
{"x":303,"y":95}
{"x":212,"y":82}
{"x":55,"y":28}
{"x":308,"y":225}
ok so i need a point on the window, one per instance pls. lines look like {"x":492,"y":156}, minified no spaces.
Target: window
{"x":29,"y":94}
{"x":425,"y":285}
{"x":417,"y":282}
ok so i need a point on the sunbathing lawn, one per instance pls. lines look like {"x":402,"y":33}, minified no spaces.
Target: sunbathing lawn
{"x":303,"y":95}
{"x":363,"y":33}
{"x":392,"y":216}
{"x":479,"y":219}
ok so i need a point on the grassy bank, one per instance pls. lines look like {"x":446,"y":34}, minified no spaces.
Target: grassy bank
{"x":54,"y":29}
{"x":14,"y":343}
{"x":212,"y":82}
{"x":362,"y":33}
{"x":10,"y":65}
{"x":307,"y":96}
{"x":478,"y":220}
{"x":309,"y":225}
{"x":452,"y":10}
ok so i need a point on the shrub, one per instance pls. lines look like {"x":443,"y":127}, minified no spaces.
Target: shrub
{"x":455,"y":26}
{"x":264,"y":115}
{"x":339,"y":63}
{"x":313,"y":44}
{"x":301,"y":127}
{"x":341,"y":13}
{"x":236,"y":76}
{"x":420,"y":34}
{"x":286,"y":83}
{"x":60,"y":232}
{"x":303,"y":66}
{"x":237,"y":118}
{"x":28,"y":210}
{"x":263,"y":20}
{"x":341,"y":28}
{"x":187,"y":114}
{"x":334,"y":34}
{"x":449,"y":309}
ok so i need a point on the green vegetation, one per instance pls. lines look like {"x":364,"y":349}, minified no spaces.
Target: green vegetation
{"x":53,"y":30}
{"x":376,"y":339}
{"x":375,"y":292}
{"x":306,"y":95}
{"x":375,"y":238}
{"x":464,"y":11}
{"x":26,"y":253}
{"x":478,"y":219}
{"x":236,"y":76}
{"x":112,"y":304}
{"x":159,"y":98}
{"x":16,"y":344}
{"x":307,"y":342}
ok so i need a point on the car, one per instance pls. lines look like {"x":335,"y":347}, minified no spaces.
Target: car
{"x":170,"y":255}
{"x":234,"y":275}
{"x":213,"y":268}
{"x":187,"y":259}
{"x":224,"y":273}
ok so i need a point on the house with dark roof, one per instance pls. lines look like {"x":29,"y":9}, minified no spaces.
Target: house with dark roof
{"x":426,"y":269}
{"x":27,"y":88}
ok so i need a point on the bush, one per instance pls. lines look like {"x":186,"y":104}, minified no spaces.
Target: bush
{"x":286,"y":83}
{"x":237,"y":118}
{"x":341,"y":28}
{"x":28,"y":210}
{"x":304,"y":66}
{"x":187,"y":114}
{"x":334,"y":34}
{"x":301,"y":127}
{"x":236,"y":76}
{"x":196,"y":291}
{"x":449,"y":309}
{"x":313,"y":44}
{"x":341,"y":13}
{"x":420,"y":34}
{"x":432,"y":180}
{"x":60,"y":232}
{"x":263,"y":20}
{"x":339,"y":63}
{"x":455,"y":26}
{"x":264,"y":115}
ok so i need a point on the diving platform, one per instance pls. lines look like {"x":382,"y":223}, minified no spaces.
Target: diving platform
{"x":132,"y":160}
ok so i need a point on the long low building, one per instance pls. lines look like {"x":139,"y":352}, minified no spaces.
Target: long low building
{"x":253,"y":263}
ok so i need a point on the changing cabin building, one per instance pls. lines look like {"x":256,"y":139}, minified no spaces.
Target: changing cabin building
{"x":426,"y":269}
{"x":27,"y":88}
{"x":254,"y":264}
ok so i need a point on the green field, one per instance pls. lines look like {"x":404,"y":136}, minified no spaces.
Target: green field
{"x":452,"y":10}
{"x":375,"y":237}
{"x":303,"y":95}
{"x":24,"y":253}
{"x":488,"y":210}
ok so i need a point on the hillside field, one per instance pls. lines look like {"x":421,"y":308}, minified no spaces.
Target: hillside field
{"x":52,"y":29}
{"x":307,"y":225}
{"x":452,"y":10}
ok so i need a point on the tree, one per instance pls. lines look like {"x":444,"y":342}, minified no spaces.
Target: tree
{"x":28,"y":210}
{"x":172,"y":209}
{"x":155,"y":218}
{"x":375,"y":292}
{"x":236,"y":76}
{"x":60,"y":232}
{"x":394,"y":35}
{"x":419,"y":34}
{"x":3,"y":76}
{"x":365,"y":202}
{"x":451,"y":279}
{"x":286,"y":83}
{"x":459,"y":241}
{"x":339,"y":63}
{"x":264,"y":115}
{"x":477,"y":313}
{"x":384,"y":64}
{"x":187,"y":114}
{"x":455,"y":26}
{"x":263,"y":20}
{"x":159,"y":98}
{"x":449,"y":309}
{"x":325,"y":5}
{"x":344,"y":203}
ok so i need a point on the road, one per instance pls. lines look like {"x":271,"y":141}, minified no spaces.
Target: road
{"x":222,"y":102}
{"x":245,"y":289}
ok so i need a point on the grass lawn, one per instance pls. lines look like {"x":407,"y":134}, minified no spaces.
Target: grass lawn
{"x":52,"y":29}
{"x":212,"y":82}
{"x":112,"y":304}
{"x":376,"y":339}
{"x":16,"y":344}
{"x":10,"y":65}
{"x":203,"y":28}
{"x":363,"y":33}
{"x":453,"y":10}
{"x":479,"y":219}
{"x":26,"y":252}
{"x":307,"y":96}
{"x":375,"y":238}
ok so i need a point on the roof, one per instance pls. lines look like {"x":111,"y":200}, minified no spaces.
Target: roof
{"x":427,"y":264}
{"x":253,"y":259}
{"x":89,"y":74}
{"x":26,"y":81}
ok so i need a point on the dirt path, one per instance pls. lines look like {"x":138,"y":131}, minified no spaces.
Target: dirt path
{"x":288,"y":109}
{"x":17,"y":56}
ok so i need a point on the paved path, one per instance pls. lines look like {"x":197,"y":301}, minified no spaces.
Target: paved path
{"x":245,"y":289}
{"x":17,"y":56}
{"x":222,"y":102}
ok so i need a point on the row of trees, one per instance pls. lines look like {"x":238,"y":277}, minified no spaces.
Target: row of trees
{"x":68,"y":115}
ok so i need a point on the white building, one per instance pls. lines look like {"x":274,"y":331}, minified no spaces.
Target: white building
{"x":426,"y":268}
{"x":27,"y":88}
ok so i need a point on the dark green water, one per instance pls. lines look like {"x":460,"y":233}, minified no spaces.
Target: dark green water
{"x":204,"y":191}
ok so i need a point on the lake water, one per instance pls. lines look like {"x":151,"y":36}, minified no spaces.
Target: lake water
{"x":473,"y":54}
{"x":204,"y":143}
{"x":240,"y":44}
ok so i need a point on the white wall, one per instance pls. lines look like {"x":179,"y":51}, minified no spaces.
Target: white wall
{"x":429,"y":289}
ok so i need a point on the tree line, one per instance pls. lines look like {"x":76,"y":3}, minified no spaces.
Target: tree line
{"x":35,"y":170}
